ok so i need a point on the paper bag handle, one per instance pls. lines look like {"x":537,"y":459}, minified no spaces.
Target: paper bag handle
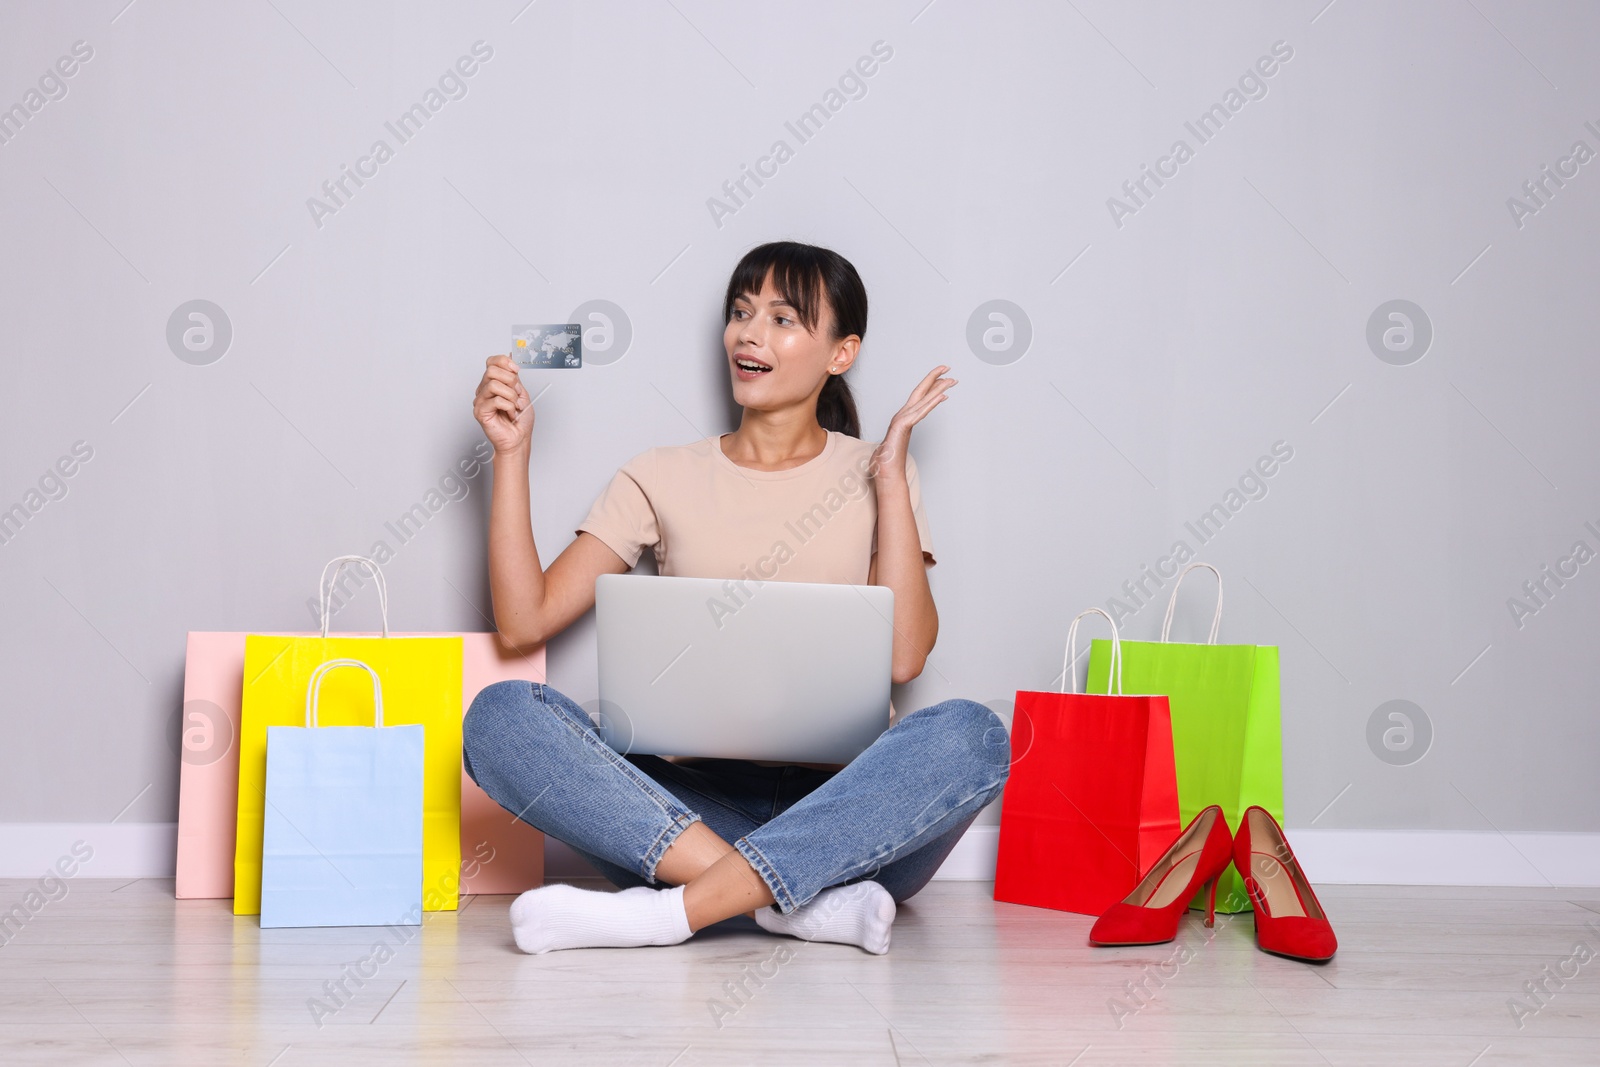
{"x":314,"y":690}
{"x":1216,"y":620}
{"x":325,"y":587}
{"x":1114,"y":673}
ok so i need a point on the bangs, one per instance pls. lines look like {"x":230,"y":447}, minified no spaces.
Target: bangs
{"x":797,"y":274}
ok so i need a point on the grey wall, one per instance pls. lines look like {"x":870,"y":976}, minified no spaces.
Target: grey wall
{"x":1174,"y":341}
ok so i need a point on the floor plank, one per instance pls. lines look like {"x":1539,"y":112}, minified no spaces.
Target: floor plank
{"x":122,"y":973}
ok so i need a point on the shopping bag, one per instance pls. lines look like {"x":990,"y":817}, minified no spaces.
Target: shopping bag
{"x":1226,"y":722}
{"x":1092,"y":799}
{"x":499,"y":854}
{"x":422,"y":676}
{"x":341,"y":837}
{"x":208,"y":767}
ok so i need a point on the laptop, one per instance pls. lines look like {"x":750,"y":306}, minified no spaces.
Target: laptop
{"x":795,"y":672}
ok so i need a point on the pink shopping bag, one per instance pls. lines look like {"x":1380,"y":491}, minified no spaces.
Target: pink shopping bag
{"x":499,"y":854}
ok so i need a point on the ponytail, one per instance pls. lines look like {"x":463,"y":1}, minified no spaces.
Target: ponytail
{"x":836,"y":407}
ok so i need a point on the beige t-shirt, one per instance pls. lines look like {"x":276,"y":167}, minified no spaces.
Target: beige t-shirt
{"x":707,"y":517}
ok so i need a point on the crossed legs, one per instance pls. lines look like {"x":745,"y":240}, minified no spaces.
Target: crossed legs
{"x":822,"y":861}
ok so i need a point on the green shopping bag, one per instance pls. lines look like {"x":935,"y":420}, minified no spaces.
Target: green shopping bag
{"x":1227,"y":735}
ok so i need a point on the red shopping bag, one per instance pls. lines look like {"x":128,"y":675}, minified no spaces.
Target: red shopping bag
{"x":1092,"y":799}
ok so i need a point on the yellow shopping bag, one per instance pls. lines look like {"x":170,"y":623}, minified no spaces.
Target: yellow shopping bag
{"x":421,"y":679}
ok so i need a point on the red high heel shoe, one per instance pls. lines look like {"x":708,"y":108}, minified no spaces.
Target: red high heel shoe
{"x":1149,"y":915}
{"x":1289,"y":919}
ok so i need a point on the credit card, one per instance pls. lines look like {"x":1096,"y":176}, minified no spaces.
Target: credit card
{"x":559,"y":345}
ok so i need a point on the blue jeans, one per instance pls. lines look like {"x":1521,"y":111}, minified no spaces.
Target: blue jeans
{"x":892,"y":815}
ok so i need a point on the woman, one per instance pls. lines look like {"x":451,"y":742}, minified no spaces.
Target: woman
{"x":822,"y":853}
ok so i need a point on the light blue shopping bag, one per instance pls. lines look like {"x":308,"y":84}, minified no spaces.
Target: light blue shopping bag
{"x":342,"y":838}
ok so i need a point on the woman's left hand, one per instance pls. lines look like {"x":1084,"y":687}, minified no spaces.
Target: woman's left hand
{"x":890,"y":458}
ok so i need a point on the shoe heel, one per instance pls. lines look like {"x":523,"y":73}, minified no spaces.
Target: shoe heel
{"x":1211,"y":901}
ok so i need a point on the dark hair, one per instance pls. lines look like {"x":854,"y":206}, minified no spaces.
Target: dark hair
{"x":805,"y":275}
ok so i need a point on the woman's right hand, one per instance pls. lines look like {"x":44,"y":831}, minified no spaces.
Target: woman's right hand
{"x":502,"y":406}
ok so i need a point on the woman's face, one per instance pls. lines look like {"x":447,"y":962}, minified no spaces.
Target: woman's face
{"x":766,"y":330}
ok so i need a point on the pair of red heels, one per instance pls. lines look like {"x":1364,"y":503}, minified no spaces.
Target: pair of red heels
{"x":1289,"y":919}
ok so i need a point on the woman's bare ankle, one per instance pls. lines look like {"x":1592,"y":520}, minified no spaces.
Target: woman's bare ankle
{"x":690,"y":854}
{"x":727,"y":888}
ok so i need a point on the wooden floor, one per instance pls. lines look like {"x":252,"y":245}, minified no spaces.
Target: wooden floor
{"x":121,"y":973}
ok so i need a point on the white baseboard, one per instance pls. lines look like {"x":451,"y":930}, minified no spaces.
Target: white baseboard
{"x":1334,"y":857}
{"x":1447,"y":857}
{"x":1387,"y":857}
{"x":118,"y":850}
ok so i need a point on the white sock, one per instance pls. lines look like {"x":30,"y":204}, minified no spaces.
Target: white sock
{"x":858,"y":914}
{"x":564,"y":916}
